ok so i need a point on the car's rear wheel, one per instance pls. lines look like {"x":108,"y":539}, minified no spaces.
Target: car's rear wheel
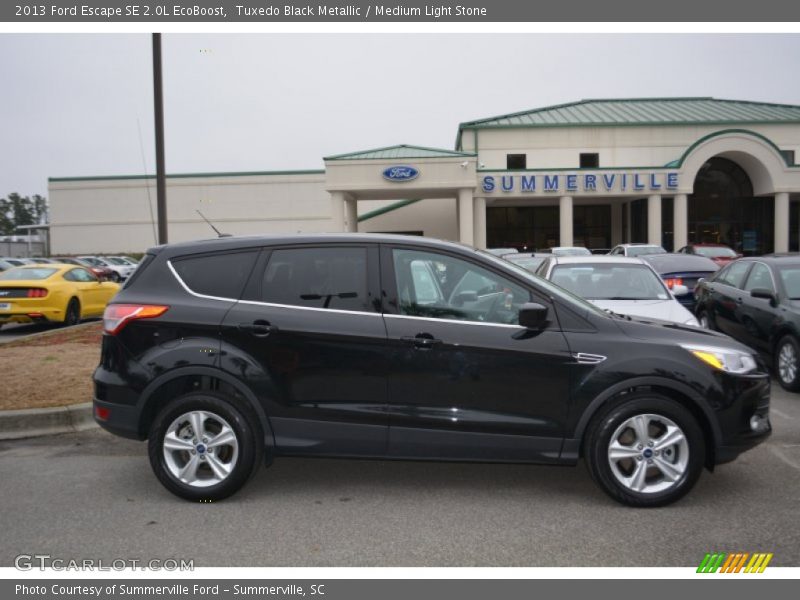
{"x":72,"y":316}
{"x":645,"y":451}
{"x":203,"y":448}
{"x":114,"y":277}
{"x":787,"y":363}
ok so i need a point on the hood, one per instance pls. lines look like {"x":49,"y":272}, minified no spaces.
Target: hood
{"x":667,"y":332}
{"x":662,"y":310}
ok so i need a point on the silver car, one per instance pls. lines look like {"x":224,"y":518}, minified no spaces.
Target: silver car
{"x":627,"y":286}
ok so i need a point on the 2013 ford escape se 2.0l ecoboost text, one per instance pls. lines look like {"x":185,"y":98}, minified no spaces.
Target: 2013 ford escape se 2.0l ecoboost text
{"x":226,"y":353}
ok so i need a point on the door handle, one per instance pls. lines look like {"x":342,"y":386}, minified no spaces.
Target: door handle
{"x":422,"y":340}
{"x":258,"y":328}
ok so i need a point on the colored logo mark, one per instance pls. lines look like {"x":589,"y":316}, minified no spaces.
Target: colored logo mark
{"x":400,"y":173}
{"x":736,"y":562}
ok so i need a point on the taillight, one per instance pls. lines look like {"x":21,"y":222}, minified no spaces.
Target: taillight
{"x":116,"y":316}
{"x":673,"y":281}
{"x":37,"y":293}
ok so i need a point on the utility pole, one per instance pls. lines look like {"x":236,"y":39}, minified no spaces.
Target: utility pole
{"x":161,"y":179}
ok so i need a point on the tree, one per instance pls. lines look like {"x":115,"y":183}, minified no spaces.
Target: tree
{"x":16,"y":210}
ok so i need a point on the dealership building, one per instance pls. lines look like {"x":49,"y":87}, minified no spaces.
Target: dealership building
{"x":593,"y":173}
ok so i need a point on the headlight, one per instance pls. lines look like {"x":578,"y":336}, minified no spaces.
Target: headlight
{"x":725,"y":359}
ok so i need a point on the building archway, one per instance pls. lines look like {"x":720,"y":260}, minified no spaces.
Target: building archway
{"x":724,"y":210}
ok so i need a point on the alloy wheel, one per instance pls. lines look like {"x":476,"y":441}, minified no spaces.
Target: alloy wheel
{"x":648,"y":453}
{"x":787,"y":363}
{"x":200,"y":448}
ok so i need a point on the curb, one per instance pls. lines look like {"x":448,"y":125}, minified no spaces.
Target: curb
{"x":35,"y":422}
{"x":50,"y":331}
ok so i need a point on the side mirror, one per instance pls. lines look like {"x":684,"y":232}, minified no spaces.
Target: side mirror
{"x":766,"y":294}
{"x":679,"y":290}
{"x":532,"y":315}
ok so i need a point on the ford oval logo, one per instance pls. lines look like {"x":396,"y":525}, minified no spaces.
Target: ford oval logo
{"x":400,"y":173}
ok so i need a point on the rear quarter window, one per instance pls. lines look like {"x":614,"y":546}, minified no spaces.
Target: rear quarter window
{"x":222,"y":275}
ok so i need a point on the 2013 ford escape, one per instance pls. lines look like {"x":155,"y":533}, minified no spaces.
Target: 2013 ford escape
{"x":226,"y":353}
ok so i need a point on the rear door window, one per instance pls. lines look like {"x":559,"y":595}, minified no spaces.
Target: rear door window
{"x":326,"y":278}
{"x":222,"y":275}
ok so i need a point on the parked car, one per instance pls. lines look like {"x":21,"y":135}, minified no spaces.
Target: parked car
{"x":636,"y":250}
{"x":501,"y":251}
{"x":570,"y":251}
{"x":58,"y":293}
{"x":600,"y":250}
{"x":226,"y":352}
{"x":719,"y":253}
{"x":757,"y":301}
{"x":527,"y":260}
{"x":120,"y":271}
{"x":15,"y":262}
{"x":626,"y":286}
{"x":5,"y":265}
{"x":126,"y":260}
{"x":102,"y":273}
{"x":682,"y":270}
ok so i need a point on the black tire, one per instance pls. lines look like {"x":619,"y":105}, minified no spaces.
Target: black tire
{"x":72,"y":316}
{"x":703,"y":315}
{"x":603,"y":428}
{"x":789,"y":375}
{"x":248,"y":437}
{"x":115,"y":277}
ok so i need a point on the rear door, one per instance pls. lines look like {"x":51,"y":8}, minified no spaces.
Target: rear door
{"x":465,"y":380}
{"x":310,"y":328}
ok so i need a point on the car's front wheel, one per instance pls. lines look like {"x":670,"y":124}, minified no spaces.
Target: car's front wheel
{"x":645,"y":451}
{"x":787,"y":363}
{"x":203,"y":448}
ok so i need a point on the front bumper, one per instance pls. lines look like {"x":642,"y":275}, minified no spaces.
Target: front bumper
{"x":743,"y":414}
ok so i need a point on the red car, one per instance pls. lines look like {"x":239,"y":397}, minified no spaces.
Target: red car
{"x":719,"y":253}
{"x":102,"y":273}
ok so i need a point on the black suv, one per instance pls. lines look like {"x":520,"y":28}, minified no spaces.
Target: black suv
{"x":225,"y":353}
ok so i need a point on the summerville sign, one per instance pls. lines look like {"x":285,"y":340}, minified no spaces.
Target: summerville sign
{"x":610,"y":182}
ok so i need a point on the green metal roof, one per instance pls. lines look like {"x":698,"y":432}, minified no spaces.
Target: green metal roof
{"x":401,"y":151}
{"x":642,"y":111}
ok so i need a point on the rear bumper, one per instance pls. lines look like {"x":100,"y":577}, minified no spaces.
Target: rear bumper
{"x":116,"y":405}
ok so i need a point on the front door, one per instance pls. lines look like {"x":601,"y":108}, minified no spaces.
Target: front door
{"x":465,"y":380}
{"x":311,"y":319}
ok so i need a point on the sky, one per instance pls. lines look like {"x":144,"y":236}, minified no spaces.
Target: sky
{"x":82,"y":105}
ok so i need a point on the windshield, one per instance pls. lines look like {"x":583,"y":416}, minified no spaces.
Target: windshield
{"x":610,"y":282}
{"x":571,"y":252}
{"x":27,"y":273}
{"x":715,"y":251}
{"x":576,"y":302}
{"x":526,"y":262}
{"x":116,"y":261}
{"x":643,"y":250}
{"x":790,"y":276}
{"x":95,"y":262}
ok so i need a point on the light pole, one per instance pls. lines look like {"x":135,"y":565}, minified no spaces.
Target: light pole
{"x":161,"y":180}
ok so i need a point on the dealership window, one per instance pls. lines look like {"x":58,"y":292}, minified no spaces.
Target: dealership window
{"x":590,"y":160}
{"x":516,"y":161}
{"x":788,"y":156}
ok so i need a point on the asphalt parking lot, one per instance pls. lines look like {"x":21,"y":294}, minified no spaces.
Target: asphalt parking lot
{"x":92,"y":495}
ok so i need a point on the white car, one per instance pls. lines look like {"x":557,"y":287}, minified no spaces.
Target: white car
{"x":636,"y":250}
{"x":121,"y":270}
{"x":627,"y":286}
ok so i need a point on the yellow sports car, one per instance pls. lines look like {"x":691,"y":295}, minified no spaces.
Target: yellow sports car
{"x":58,"y":293}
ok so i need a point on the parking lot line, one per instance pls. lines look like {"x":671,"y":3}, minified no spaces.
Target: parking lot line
{"x":777,"y":452}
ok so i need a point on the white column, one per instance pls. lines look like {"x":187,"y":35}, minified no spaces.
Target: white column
{"x":466,"y":233}
{"x":782,"y":222}
{"x":565,"y":221}
{"x":351,"y":215}
{"x":337,"y":211}
{"x":479,"y":222}
{"x":616,"y":223}
{"x":654,"y":220}
{"x":680,"y":222}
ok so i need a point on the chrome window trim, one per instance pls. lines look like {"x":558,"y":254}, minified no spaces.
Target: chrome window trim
{"x":270,"y":304}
